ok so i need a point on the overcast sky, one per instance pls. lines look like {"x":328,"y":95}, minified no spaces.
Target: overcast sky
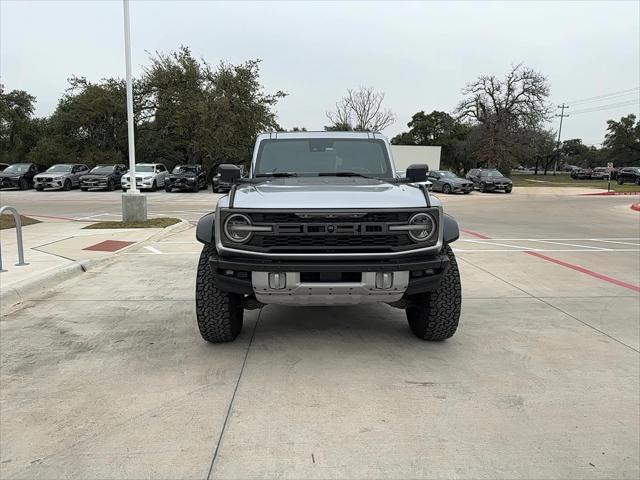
{"x":419,"y":54}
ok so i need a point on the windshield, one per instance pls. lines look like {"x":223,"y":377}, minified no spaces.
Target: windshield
{"x":184,"y":169}
{"x":102,"y":169}
{"x":17,"y":168}
{"x":447,"y":174}
{"x":312,"y":156}
{"x":144,"y":168}
{"x":491,"y":173}
{"x":60,"y":169}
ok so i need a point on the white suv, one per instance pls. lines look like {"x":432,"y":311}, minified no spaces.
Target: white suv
{"x":149,"y":176}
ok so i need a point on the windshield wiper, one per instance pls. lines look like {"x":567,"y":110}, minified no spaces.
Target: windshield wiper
{"x":277,"y":174}
{"x":345,"y":174}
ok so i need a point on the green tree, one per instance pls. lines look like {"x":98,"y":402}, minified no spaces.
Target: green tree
{"x":438,"y":129}
{"x":19,"y":131}
{"x":622,"y":141}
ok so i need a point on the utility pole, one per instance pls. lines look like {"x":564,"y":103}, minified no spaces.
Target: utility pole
{"x":562,"y":115}
{"x":134,"y":203}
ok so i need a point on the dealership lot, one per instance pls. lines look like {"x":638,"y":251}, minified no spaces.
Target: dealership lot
{"x":105,"y":375}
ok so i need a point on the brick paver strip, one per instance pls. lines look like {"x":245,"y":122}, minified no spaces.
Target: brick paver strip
{"x":109,"y":246}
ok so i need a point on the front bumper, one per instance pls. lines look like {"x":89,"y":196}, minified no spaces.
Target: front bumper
{"x":6,"y":182}
{"x":93,"y":183}
{"x":497,"y":186}
{"x":467,"y":187}
{"x":181,"y":183}
{"x":140,"y":184}
{"x":328,"y":282}
{"x":40,"y":183}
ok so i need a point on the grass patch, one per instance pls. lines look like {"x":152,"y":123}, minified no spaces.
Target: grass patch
{"x":7,"y":221}
{"x":150,"y":223}
{"x":566,"y":181}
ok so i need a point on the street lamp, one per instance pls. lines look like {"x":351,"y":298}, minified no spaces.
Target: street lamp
{"x":134,"y":203}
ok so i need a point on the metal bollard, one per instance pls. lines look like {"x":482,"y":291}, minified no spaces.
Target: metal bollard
{"x":16,"y":217}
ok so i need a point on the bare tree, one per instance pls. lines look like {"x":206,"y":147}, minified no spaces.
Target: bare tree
{"x":361,"y":110}
{"x":504,"y":107}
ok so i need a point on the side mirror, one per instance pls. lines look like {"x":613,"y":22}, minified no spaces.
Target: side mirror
{"x":417,"y":172}
{"x":229,"y":173}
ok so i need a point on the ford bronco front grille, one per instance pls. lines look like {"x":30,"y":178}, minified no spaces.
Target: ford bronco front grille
{"x":327,"y":232}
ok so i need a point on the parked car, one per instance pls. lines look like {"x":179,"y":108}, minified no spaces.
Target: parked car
{"x":105,"y":177}
{"x":149,"y":176}
{"x":448,"y":182}
{"x":187,"y":177}
{"x":19,"y":175}
{"x":629,"y":175}
{"x":600,"y":173}
{"x":219,"y":186}
{"x":489,"y":180}
{"x":324,"y":220}
{"x":581,"y":174}
{"x":63,"y":176}
{"x":3,"y":166}
{"x":403,"y":174}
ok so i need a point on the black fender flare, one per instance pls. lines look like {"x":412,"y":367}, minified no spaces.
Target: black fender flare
{"x":451,"y":231}
{"x":205,"y":230}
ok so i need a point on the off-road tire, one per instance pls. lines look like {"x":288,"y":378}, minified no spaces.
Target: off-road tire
{"x":219,"y":313}
{"x":434,"y":316}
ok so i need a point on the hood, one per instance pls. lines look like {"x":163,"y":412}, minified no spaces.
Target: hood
{"x":328,"y":193}
{"x":498,"y":179}
{"x":50,"y":174}
{"x":10,"y":174}
{"x":460,"y":181}
{"x":183,"y":175}
{"x":95,"y":176}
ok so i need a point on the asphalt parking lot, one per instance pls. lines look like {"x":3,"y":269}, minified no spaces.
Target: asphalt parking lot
{"x":105,"y":375}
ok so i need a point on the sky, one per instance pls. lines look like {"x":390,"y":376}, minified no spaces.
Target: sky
{"x":420,"y":54}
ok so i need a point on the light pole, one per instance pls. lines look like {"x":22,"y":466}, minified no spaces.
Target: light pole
{"x":562,"y":115}
{"x":134,"y":204}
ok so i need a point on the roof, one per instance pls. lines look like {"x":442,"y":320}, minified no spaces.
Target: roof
{"x":321,"y":134}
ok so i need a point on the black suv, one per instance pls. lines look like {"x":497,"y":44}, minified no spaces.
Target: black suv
{"x":105,"y":177}
{"x":20,"y":175}
{"x":220,"y":186}
{"x":187,"y":177}
{"x":489,"y":180}
{"x":629,"y":175}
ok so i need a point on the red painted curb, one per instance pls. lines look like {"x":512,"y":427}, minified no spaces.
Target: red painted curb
{"x":636,"y":207}
{"x":610,"y":193}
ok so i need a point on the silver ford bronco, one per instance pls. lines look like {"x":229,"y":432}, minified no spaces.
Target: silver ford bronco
{"x":323,"y":219}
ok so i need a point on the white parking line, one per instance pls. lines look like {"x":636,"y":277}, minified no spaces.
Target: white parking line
{"x":612,"y":241}
{"x":153,"y":250}
{"x":569,"y":244}
{"x":608,"y":250}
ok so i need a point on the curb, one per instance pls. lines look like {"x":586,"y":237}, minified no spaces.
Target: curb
{"x":18,"y":293}
{"x":635,"y":206}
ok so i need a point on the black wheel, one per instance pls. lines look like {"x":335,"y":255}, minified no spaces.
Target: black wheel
{"x":620,"y":181}
{"x":196,"y":187}
{"x":39,"y":189}
{"x":467,"y":192}
{"x":124,"y":190}
{"x":637,"y":182}
{"x":446,"y":188}
{"x":482,"y":187}
{"x":111,"y":186}
{"x":435,"y":316}
{"x":24,"y":184}
{"x":508,"y":189}
{"x":168,"y":189}
{"x":154,"y":186}
{"x":219,"y":313}
{"x":215,"y":189}
{"x":67,"y":185}
{"x":84,"y":189}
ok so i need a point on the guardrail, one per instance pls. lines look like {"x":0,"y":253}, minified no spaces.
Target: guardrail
{"x":16,"y":218}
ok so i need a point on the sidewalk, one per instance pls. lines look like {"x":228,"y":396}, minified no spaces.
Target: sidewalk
{"x":56,"y":249}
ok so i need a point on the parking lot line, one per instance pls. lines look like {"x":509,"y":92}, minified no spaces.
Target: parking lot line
{"x":568,"y":244}
{"x":586,"y":271}
{"x":153,"y":250}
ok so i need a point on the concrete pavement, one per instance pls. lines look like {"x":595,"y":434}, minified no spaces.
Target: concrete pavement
{"x":106,"y":376}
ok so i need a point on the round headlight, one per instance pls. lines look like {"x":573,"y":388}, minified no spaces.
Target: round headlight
{"x":429,"y":227}
{"x":234,"y":228}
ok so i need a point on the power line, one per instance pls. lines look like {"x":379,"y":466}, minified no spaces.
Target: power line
{"x":607,"y":99}
{"x":603,"y":96}
{"x":606,"y":107}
